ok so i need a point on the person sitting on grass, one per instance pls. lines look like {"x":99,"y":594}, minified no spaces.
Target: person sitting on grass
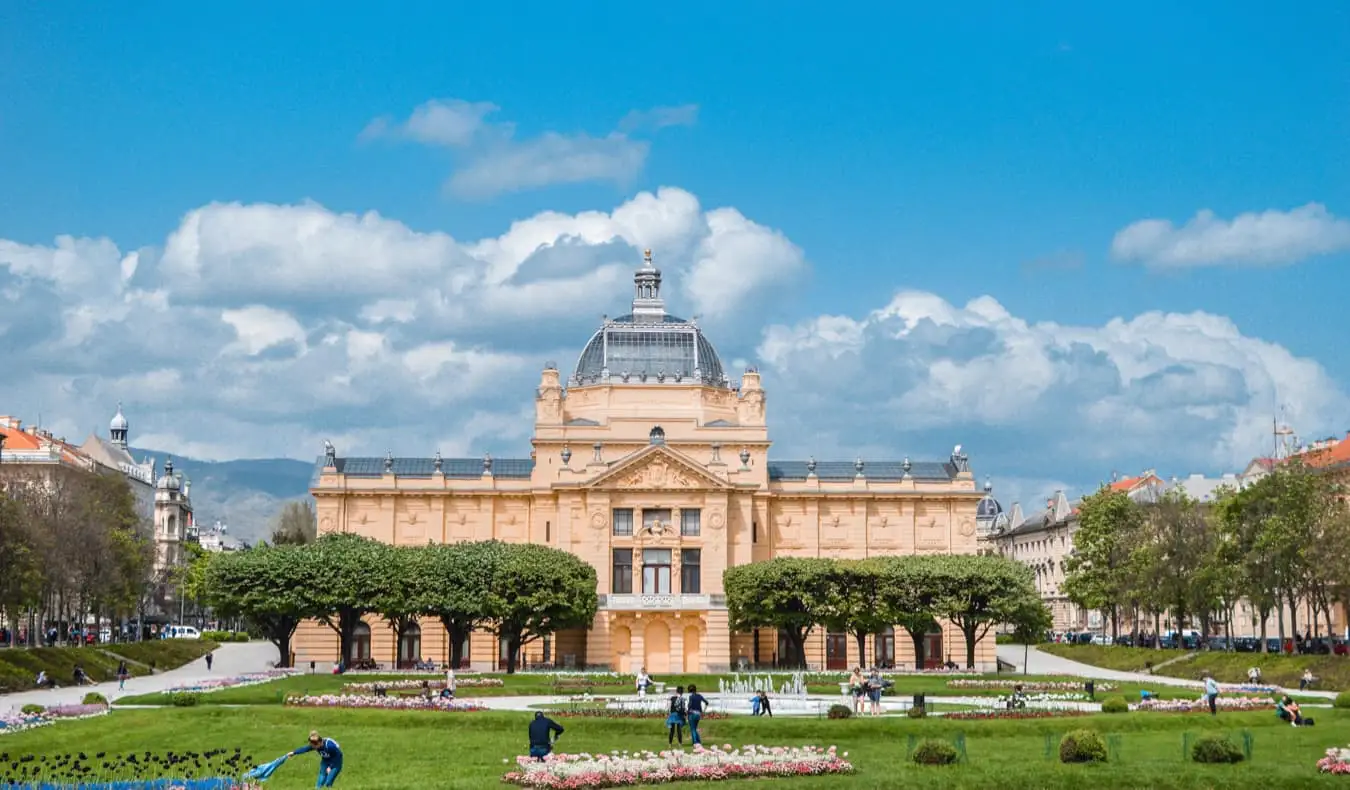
{"x":542,"y":735}
{"x":1307,"y":680}
{"x":80,"y":677}
{"x":330,"y":758}
{"x":1288,"y":710}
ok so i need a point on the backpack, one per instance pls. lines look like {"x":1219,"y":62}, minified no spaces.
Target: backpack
{"x":677,"y":704}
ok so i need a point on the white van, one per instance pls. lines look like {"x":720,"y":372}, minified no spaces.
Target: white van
{"x":180,"y":632}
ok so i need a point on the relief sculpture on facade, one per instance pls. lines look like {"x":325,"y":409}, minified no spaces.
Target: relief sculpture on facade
{"x":658,"y":474}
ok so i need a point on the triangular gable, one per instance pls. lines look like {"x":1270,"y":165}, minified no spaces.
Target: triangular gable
{"x":657,"y":467}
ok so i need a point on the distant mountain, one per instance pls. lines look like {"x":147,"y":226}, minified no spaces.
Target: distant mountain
{"x":245,"y":495}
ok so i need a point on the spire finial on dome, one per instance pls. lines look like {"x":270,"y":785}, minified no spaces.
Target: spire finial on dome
{"x":648,"y":307}
{"x":647,"y":257}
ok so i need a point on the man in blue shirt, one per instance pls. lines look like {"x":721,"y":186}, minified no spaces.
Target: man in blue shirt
{"x":541,"y":744}
{"x":1212,"y":694}
{"x":696,"y":705}
{"x":330,"y":758}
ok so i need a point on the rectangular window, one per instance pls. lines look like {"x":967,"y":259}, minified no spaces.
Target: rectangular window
{"x":548,"y":531}
{"x":621,"y":582}
{"x":691,"y":571}
{"x":656,"y":571}
{"x":691,"y":522}
{"x":754,"y":532}
{"x":657,"y":521}
{"x":623,"y":521}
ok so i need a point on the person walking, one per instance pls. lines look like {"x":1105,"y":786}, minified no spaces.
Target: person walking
{"x":542,"y":735}
{"x":1212,"y":694}
{"x":122,"y":673}
{"x":765,"y":709}
{"x":676,"y":720}
{"x":697,"y":704}
{"x":330,"y":758}
{"x":210,"y":658}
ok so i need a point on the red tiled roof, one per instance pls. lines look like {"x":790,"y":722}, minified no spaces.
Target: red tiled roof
{"x":1335,"y":455}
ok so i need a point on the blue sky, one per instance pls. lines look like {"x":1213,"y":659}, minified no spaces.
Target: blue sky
{"x":986,"y":149}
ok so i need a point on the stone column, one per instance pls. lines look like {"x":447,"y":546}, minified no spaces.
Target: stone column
{"x":676,"y":625}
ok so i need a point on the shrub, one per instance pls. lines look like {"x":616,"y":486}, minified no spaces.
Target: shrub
{"x":932,"y":752}
{"x":917,"y":713}
{"x":1115,"y":705}
{"x":95,"y":698}
{"x":31,"y":710}
{"x":1082,"y":746}
{"x":1216,"y":749}
{"x":184,"y":699}
{"x":222,"y":637}
{"x":839,"y":712}
{"x":1342,"y":700}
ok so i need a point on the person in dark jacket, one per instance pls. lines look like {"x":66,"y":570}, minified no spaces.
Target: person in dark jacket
{"x":697,"y":704}
{"x":330,"y":758}
{"x":542,"y":736}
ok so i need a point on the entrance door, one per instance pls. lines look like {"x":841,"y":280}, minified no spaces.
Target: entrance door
{"x":932,"y":650}
{"x":836,"y":651}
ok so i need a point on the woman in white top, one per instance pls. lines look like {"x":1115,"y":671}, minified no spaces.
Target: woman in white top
{"x":643,"y":681}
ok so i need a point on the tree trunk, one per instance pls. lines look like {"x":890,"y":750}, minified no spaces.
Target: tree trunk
{"x":862,"y":648}
{"x":1157,"y":630}
{"x":1265,"y":621}
{"x":1293,"y":621}
{"x":457,"y":632}
{"x":1115,"y":623}
{"x":968,"y":631}
{"x":917,"y":638}
{"x":797,"y":639}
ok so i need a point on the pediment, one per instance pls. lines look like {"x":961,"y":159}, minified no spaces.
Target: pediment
{"x":657,"y":467}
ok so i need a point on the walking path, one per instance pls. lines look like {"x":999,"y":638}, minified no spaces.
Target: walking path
{"x":1039,"y":663}
{"x":232,"y":659}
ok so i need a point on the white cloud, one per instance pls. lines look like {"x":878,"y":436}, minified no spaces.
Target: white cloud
{"x":259,"y":328}
{"x":1269,"y":238}
{"x":1190,"y":388}
{"x":493,"y":160}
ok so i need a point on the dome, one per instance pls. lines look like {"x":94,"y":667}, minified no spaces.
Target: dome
{"x":648,"y":345}
{"x":988,"y":508}
{"x":168,"y":481}
{"x":119,"y":420}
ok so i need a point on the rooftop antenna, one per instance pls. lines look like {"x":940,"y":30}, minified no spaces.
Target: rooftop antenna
{"x":1286,"y":442}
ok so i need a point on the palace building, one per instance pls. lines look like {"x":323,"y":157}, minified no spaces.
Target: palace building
{"x":650,"y":463}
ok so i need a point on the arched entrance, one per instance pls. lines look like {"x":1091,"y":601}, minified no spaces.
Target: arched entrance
{"x":621,"y":641}
{"x":693,"y":649}
{"x":410,"y":646}
{"x":360,"y":649}
{"x":657,"y":641}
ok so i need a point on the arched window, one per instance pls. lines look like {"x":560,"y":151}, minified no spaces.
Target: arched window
{"x":410,"y":646}
{"x":658,"y":435}
{"x":360,"y":650}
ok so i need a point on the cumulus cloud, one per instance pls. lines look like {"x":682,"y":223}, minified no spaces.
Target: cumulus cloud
{"x":493,"y":160}
{"x":1186,"y":389}
{"x":259,"y":329}
{"x":1268,"y":238}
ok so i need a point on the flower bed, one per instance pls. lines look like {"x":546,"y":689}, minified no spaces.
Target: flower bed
{"x":405,"y":685}
{"x":1202,"y":705}
{"x":212,"y":770}
{"x":1048,"y":697}
{"x":623,"y":713}
{"x":1045,"y":685}
{"x":1013,"y":714}
{"x":382,"y":703}
{"x":1336,"y":761}
{"x":622,"y":769}
{"x":251,"y":679}
{"x":19,"y":722}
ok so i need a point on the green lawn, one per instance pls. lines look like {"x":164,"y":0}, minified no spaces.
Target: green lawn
{"x":388,"y":750}
{"x":1333,"y":671}
{"x":274,"y":693}
{"x":19,"y":666}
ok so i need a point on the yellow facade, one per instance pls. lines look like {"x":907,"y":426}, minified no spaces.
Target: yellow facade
{"x":661,"y":479}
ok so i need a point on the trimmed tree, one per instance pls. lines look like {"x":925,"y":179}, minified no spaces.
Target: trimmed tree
{"x":785,"y":594}
{"x":451,"y":582}
{"x":537,"y":591}
{"x":270,"y":587}
{"x":977,"y":592}
{"x":351,"y":573}
{"x":908,"y":591}
{"x":851,"y":601}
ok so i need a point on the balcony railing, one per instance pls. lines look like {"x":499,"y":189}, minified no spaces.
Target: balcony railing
{"x":662,"y":602}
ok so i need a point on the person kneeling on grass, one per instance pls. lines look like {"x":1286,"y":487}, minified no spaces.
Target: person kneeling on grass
{"x":330,"y":758}
{"x":542,"y":736}
{"x":1289,"y":711}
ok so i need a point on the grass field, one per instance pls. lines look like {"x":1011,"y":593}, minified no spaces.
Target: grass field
{"x":275,"y":693}
{"x":19,"y":666}
{"x":1333,"y":671}
{"x":388,"y":750}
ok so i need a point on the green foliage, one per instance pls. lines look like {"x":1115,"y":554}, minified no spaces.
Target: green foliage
{"x":295,"y":525}
{"x":977,"y":592}
{"x":786,"y":594}
{"x":270,"y":586}
{"x":1342,"y":700}
{"x":535,"y":591}
{"x":1216,"y":749}
{"x":839,"y":712}
{"x":1115,"y":705}
{"x":935,"y":752}
{"x":1098,"y":573}
{"x":917,"y":713}
{"x":1082,"y":746}
{"x":185,"y":699}
{"x":94,"y":698}
{"x":31,"y":710}
{"x":223,"y":637}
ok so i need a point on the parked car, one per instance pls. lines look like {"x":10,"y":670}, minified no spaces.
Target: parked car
{"x":1102,"y":639}
{"x":180,"y":632}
